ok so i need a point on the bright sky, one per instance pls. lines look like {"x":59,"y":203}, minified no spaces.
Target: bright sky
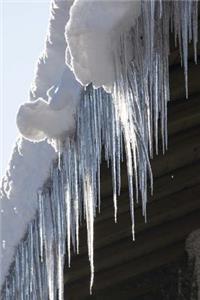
{"x":23,"y":30}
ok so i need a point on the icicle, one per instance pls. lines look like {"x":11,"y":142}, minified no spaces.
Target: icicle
{"x":41,"y":223}
{"x":88,"y":199}
{"x":184,"y":31}
{"x":68,"y":203}
{"x":76,"y":199}
{"x":195,"y":27}
{"x":114,"y":176}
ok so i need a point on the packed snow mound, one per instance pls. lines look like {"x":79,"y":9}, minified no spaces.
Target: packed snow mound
{"x":29,"y":168}
{"x":54,"y":118}
{"x":93,"y":35}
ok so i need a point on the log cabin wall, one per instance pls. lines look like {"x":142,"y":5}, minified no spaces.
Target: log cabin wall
{"x":155,"y":265}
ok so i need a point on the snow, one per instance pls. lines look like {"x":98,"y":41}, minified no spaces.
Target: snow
{"x":28,"y":170}
{"x":51,"y":63}
{"x":93,"y":38}
{"x":40,"y":119}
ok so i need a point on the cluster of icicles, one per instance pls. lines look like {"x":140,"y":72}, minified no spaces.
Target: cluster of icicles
{"x":122,"y":125}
